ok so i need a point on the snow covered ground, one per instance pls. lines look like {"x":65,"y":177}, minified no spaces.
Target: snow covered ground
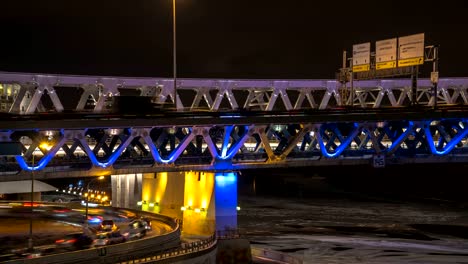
{"x":354,"y":228}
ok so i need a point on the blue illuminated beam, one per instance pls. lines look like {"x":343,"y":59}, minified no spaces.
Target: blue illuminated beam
{"x":396,"y":143}
{"x":225,"y":154}
{"x":113,"y":157}
{"x":343,"y":145}
{"x":449,"y":146}
{"x":174,"y":154}
{"x":42,"y":163}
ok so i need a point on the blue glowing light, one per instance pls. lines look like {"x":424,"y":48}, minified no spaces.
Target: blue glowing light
{"x":40,"y":165}
{"x":174,"y":154}
{"x":113,"y":157}
{"x":449,"y":146}
{"x":343,"y":144}
{"x":397,"y":142}
{"x":225,"y":199}
{"x":226,"y":152}
{"x":226,"y":178}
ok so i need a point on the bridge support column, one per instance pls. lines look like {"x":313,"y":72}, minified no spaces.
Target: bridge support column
{"x":186,"y":195}
{"x":226,"y":201}
{"x":163,"y":193}
{"x":126,"y":190}
{"x":205,"y":201}
{"x":199,"y":205}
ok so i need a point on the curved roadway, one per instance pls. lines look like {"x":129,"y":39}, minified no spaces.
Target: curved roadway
{"x":15,"y":228}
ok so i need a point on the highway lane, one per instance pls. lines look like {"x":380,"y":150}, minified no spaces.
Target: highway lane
{"x":14,"y":232}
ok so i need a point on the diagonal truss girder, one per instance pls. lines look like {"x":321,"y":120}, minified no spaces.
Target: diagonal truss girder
{"x":26,"y":93}
{"x":239,"y":144}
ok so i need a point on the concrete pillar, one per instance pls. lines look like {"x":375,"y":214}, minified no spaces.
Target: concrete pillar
{"x":199,"y":205}
{"x":205,"y":201}
{"x":226,"y":201}
{"x":172,"y":196}
{"x":163,"y":193}
{"x":126,"y":190}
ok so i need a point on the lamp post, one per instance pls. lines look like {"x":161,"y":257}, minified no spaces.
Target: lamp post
{"x":174,"y":51}
{"x":30,"y":240}
{"x":87,"y":196}
{"x":43,"y":145}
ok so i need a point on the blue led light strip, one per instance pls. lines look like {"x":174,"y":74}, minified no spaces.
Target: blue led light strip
{"x":341,"y":147}
{"x":44,"y":160}
{"x":113,"y":157}
{"x":227,"y":153}
{"x":402,"y":137}
{"x":449,"y":146}
{"x":174,"y":154}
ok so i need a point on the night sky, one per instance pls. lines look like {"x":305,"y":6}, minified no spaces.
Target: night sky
{"x":219,"y":38}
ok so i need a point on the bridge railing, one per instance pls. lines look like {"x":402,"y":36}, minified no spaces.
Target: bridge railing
{"x":184,"y":250}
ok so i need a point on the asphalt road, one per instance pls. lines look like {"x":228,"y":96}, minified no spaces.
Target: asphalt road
{"x":14,"y":233}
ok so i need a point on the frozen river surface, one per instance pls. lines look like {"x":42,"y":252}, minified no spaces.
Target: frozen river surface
{"x":352,"y":228}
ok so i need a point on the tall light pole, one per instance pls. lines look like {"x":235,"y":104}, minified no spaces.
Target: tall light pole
{"x":30,"y":240}
{"x":174,"y":51}
{"x":43,"y":145}
{"x":87,"y":196}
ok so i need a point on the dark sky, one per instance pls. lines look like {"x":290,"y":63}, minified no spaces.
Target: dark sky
{"x":219,"y":38}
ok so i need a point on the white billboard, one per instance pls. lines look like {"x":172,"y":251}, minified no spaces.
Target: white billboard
{"x":361,"y":57}
{"x":386,"y":54}
{"x":411,"y":50}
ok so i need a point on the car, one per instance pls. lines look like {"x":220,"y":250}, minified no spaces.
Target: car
{"x":74,"y":241}
{"x":94,"y":219}
{"x":108,"y":238}
{"x":108,"y":225}
{"x":136,"y":229}
{"x":146,"y":222}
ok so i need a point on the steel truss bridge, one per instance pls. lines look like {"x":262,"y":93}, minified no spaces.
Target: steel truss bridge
{"x":264,"y":133}
{"x":24,"y":93}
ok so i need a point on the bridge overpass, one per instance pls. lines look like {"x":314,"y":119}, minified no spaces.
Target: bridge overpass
{"x":184,"y":161}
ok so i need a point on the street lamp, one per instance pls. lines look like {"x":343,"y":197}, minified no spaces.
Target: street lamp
{"x":30,"y":240}
{"x":174,"y":50}
{"x":87,"y":196}
{"x":46,"y":146}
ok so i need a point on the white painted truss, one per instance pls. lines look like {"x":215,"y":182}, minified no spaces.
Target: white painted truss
{"x":26,"y":93}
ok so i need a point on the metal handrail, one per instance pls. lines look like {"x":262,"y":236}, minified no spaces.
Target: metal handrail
{"x":182,"y":250}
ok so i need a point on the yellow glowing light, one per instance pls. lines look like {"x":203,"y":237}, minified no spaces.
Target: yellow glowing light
{"x":45,"y":145}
